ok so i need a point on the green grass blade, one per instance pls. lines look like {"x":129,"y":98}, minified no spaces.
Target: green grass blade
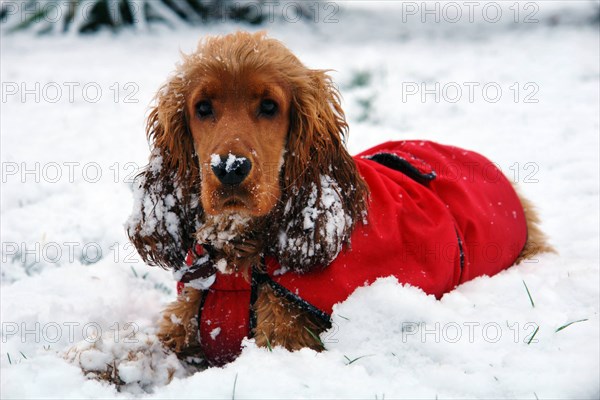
{"x":529,"y":294}
{"x":268,"y":342}
{"x":314,"y":336}
{"x":532,"y":336}
{"x":357,"y":358}
{"x":234,"y":385}
{"x":569,"y":324}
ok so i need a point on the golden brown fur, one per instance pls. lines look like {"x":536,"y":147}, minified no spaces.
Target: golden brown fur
{"x":289,"y":152}
{"x":281,"y":323}
{"x":537,"y":242}
{"x":218,"y":104}
{"x":178,"y":328}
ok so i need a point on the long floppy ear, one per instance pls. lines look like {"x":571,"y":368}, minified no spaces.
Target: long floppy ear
{"x":324,"y":196}
{"x":166,"y":210}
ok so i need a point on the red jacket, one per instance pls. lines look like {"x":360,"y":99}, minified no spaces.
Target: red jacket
{"x":438,"y":216}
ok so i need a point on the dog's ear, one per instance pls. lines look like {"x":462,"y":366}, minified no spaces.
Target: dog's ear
{"x":166,"y":209}
{"x":323,"y":194}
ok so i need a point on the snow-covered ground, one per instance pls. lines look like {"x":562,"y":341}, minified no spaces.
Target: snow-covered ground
{"x":530,"y":102}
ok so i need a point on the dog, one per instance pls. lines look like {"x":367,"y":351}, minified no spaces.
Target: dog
{"x":252,"y":199}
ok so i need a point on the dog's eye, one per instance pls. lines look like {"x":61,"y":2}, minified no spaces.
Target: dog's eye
{"x":268,"y":108}
{"x":204,"y":109}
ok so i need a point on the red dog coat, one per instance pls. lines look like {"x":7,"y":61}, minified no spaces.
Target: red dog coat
{"x":438,"y":216}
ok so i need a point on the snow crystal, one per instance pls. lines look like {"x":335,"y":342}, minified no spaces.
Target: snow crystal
{"x":202,"y":283}
{"x":214,"y":333}
{"x":231,"y":163}
{"x":281,"y":160}
{"x":180,"y":272}
{"x":215,"y":160}
{"x":198,"y":283}
{"x":131,"y":371}
{"x":175,"y":319}
{"x":280,"y":271}
{"x":172,"y":222}
{"x":170,"y":201}
{"x":94,"y":360}
{"x":156,"y":162}
{"x":221,"y":266}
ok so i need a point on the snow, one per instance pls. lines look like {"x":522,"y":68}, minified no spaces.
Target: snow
{"x":221,"y":229}
{"x":326,"y":205}
{"x":154,"y":206}
{"x":330,"y":204}
{"x":215,"y":160}
{"x":198,"y":283}
{"x":201,"y":283}
{"x":214,"y":333}
{"x":70,"y":277}
{"x":233,"y":162}
{"x":141,"y":359}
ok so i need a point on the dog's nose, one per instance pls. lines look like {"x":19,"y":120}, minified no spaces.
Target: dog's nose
{"x":230,"y":169}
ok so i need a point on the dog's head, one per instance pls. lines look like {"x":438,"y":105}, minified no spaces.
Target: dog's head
{"x":244,"y":129}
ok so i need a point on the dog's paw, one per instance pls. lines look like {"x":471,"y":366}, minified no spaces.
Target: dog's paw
{"x":178,"y":328}
{"x":173,"y":335}
{"x":133,"y":362}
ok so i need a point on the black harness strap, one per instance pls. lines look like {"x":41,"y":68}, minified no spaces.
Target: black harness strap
{"x":402,"y":165}
{"x":259,"y":278}
{"x":256,"y":280}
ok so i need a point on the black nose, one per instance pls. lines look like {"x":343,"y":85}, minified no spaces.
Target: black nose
{"x":230,"y":169}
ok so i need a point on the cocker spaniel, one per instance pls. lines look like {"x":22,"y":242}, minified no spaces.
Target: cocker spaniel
{"x":251,"y":197}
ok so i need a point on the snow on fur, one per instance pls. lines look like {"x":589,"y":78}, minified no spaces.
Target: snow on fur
{"x":135,"y":362}
{"x":326,"y":202}
{"x":157,"y":211}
